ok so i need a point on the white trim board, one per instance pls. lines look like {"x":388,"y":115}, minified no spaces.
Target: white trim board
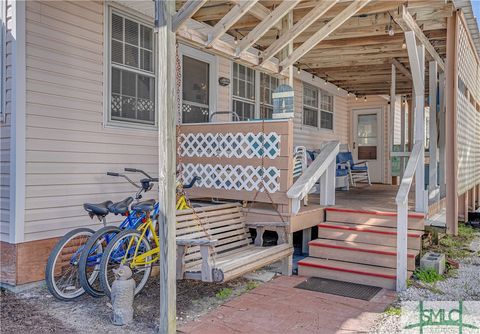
{"x":18,"y":125}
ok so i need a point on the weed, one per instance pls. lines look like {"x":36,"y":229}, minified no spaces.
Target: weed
{"x":224,"y":293}
{"x":428,"y":275}
{"x":251,"y":285}
{"x":391,"y":310}
{"x":456,"y":247}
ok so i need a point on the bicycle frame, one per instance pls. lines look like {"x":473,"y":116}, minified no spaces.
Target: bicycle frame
{"x":140,"y":260}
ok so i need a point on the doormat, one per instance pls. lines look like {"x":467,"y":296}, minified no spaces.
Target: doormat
{"x":345,"y":289}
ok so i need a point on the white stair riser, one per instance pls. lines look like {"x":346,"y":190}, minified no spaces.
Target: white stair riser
{"x":372,"y":219}
{"x":347,"y":277}
{"x":366,"y":237}
{"x":355,"y":256}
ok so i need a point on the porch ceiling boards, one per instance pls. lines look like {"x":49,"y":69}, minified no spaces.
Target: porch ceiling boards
{"x":357,"y":56}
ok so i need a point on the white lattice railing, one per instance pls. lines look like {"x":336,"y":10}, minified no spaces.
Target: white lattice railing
{"x":237,"y":160}
{"x":323,"y":169}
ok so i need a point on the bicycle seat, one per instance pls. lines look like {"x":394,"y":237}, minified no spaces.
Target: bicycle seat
{"x":100,"y":209}
{"x":120,"y":208}
{"x":144,"y":206}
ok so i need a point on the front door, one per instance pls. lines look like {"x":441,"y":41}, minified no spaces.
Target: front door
{"x":368,"y":141}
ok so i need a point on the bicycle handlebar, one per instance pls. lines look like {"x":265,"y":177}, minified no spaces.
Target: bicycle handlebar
{"x":134,"y":170}
{"x":190,"y":185}
{"x":125,"y":177}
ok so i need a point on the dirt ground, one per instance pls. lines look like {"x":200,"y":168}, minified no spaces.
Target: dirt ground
{"x":36,"y":311}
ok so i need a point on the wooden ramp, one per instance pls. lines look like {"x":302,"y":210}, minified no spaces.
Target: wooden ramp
{"x":359,"y":246}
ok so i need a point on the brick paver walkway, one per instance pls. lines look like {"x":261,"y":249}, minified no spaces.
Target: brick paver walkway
{"x":277,"y":307}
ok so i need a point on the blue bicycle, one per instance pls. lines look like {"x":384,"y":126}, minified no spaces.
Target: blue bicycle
{"x":90,"y":260}
{"x":63,"y":274}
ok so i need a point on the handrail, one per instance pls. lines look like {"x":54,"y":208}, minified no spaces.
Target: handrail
{"x":402,"y":215}
{"x":312,"y":174}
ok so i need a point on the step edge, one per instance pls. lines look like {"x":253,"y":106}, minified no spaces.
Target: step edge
{"x":339,"y":227}
{"x":314,"y":243}
{"x":378,"y":213}
{"x":352,"y":271}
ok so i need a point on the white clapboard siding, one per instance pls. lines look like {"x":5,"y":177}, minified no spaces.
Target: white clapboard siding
{"x":311,"y":137}
{"x":468,"y":119}
{"x":68,"y":149}
{"x":5,"y":132}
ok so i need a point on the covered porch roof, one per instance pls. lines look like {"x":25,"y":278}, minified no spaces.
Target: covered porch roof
{"x":350,"y":44}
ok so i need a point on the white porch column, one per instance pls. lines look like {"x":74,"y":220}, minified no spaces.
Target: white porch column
{"x":164,"y":9}
{"x":441,"y":141}
{"x":402,"y":133}
{"x":392,"y":116}
{"x":416,"y":55}
{"x":433,"y":191}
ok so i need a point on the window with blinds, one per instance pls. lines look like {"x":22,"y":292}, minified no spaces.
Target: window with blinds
{"x":132,"y":75}
{"x":268,"y":84}
{"x":243,"y":92}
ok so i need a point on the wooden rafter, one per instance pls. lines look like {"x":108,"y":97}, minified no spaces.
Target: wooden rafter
{"x":264,"y":26}
{"x":401,"y":68}
{"x":225,"y":49}
{"x":326,"y":30}
{"x":188,"y":9}
{"x":260,"y":12}
{"x":405,"y":20}
{"x":240,"y":9}
{"x":297,"y":29}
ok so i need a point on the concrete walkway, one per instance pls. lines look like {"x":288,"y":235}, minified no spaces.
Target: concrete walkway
{"x":278,"y":307}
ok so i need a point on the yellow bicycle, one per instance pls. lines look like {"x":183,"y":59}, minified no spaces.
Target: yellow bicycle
{"x":139,"y":248}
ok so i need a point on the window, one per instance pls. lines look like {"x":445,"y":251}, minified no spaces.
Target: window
{"x":243,"y":92}
{"x":326,"y":111}
{"x":132,"y":75}
{"x":310,"y":106}
{"x":317,"y":101}
{"x":252,"y":93}
{"x":268,"y":84}
{"x":195,"y":90}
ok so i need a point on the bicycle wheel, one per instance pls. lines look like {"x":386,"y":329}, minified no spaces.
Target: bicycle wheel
{"x":61,"y":272}
{"x":122,"y":249}
{"x":89,"y":264}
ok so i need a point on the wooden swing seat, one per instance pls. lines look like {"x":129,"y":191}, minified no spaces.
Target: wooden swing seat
{"x":214,"y":244}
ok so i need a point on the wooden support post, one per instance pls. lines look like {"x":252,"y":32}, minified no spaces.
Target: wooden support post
{"x":306,"y":237}
{"x":416,"y":55}
{"x":402,"y":134}
{"x":287,"y":24}
{"x":166,"y":77}
{"x":473,"y":198}
{"x":451,"y":152}
{"x":392,"y":117}
{"x":432,"y":168}
{"x":441,"y":130}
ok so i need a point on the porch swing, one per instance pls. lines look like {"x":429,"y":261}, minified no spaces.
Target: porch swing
{"x":214,"y":243}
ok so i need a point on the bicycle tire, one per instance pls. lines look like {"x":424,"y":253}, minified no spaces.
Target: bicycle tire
{"x":86,"y":281}
{"x":104,"y":264}
{"x":52,"y":260}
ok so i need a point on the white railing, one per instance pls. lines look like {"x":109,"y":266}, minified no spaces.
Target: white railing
{"x":323,"y":169}
{"x":402,"y":214}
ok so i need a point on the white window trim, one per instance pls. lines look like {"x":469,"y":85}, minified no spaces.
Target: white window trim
{"x":184,"y":50}
{"x":107,"y":69}
{"x":319,"y":109}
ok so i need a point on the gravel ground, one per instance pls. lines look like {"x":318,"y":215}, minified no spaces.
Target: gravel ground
{"x":36,"y":311}
{"x":464,"y":284}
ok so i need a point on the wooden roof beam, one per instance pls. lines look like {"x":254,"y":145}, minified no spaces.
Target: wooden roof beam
{"x":402,"y":68}
{"x":323,"y":33}
{"x":260,"y":12}
{"x":256,"y":33}
{"x":405,"y":20}
{"x":240,"y":9}
{"x":297,"y":29}
{"x":188,"y":9}
{"x":225,"y":49}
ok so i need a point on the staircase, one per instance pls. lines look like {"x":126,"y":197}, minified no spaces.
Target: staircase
{"x":359,"y":246}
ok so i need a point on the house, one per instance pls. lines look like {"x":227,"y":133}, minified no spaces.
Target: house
{"x":79,"y":99}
